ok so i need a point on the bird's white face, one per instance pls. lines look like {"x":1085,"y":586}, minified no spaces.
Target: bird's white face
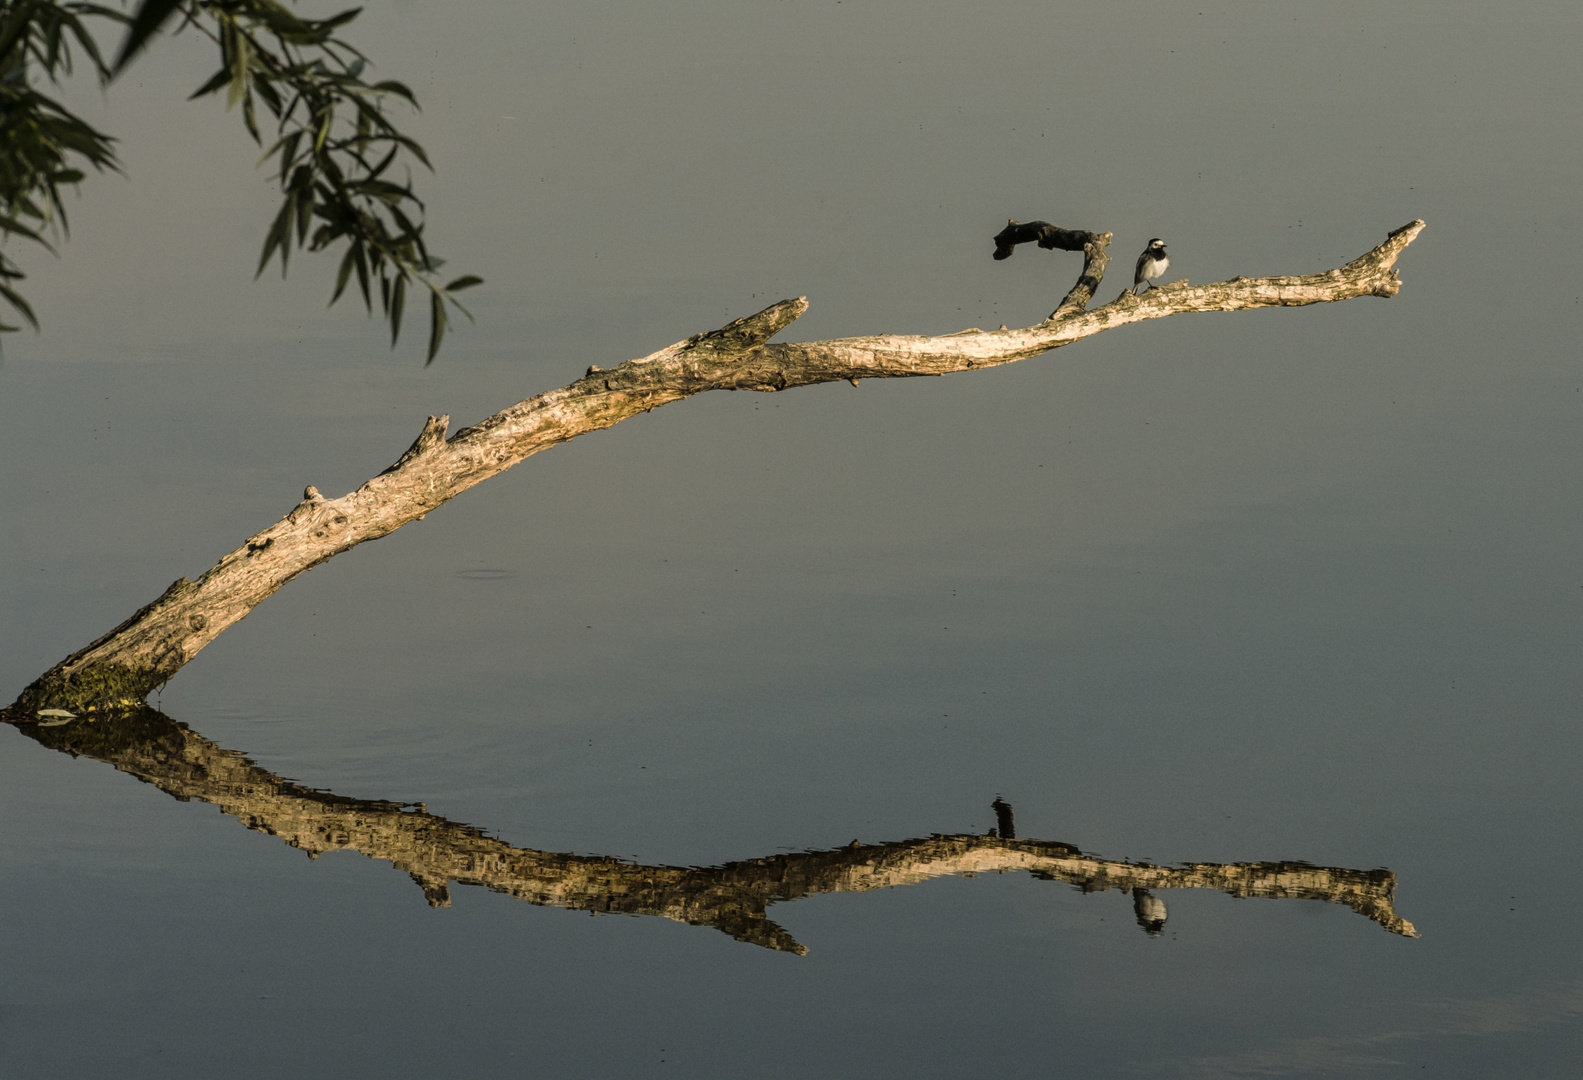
{"x":1157,"y":246}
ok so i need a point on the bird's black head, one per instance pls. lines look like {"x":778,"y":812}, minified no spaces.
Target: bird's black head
{"x":1157,"y":244}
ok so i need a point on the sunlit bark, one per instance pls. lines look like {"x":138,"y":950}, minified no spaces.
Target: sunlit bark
{"x":123,"y":666}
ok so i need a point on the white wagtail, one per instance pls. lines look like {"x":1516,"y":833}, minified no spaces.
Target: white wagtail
{"x":1151,"y":264}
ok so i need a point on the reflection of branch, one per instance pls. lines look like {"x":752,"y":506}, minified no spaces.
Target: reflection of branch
{"x":732,"y":897}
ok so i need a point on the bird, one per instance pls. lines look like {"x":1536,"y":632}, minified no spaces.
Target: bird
{"x":1151,"y":264}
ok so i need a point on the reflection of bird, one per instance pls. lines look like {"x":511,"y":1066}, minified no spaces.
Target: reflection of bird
{"x":1003,"y":820}
{"x":1150,"y":910}
{"x":1151,"y":264}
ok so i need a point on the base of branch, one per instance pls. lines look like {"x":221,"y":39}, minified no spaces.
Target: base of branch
{"x":107,"y":689}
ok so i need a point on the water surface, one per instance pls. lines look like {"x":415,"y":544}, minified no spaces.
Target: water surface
{"x":1258,"y":589}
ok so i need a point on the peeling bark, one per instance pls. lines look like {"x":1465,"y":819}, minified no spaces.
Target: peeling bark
{"x":732,"y":897}
{"x":142,"y":653}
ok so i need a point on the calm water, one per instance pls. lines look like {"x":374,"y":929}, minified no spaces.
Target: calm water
{"x":1269,"y":588}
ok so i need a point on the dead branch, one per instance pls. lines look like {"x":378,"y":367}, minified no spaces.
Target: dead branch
{"x":142,"y":653}
{"x":733,"y":897}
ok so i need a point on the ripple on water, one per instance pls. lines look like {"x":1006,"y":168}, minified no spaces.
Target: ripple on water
{"x":486,"y":574}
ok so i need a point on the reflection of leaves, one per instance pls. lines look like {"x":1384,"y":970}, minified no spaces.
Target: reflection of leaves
{"x":333,"y":143}
{"x":55,"y":717}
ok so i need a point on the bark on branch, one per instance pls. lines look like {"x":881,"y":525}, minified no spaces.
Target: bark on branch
{"x":733,"y":897}
{"x":130,"y":661}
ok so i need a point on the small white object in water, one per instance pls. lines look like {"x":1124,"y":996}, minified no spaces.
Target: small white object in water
{"x":55,"y":717}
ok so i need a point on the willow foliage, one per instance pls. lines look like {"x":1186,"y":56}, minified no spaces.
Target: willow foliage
{"x":301,"y":93}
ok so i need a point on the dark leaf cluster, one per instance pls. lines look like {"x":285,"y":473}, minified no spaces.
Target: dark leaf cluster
{"x":42,"y":143}
{"x":342,"y":164}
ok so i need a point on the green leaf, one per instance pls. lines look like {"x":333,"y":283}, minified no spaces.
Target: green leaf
{"x":278,"y":236}
{"x":23,"y":308}
{"x":436,"y":325}
{"x":385,"y":163}
{"x":7,"y":225}
{"x":217,"y":80}
{"x":304,"y":213}
{"x":339,"y":20}
{"x":397,"y":298}
{"x":344,"y":273}
{"x":241,"y":59}
{"x":332,"y":171}
{"x":267,"y":91}
{"x":391,"y":86}
{"x":249,"y":118}
{"x":380,"y":189}
{"x":281,"y":21}
{"x":104,"y":12}
{"x":19,"y":23}
{"x":417,"y":151}
{"x":86,"y":40}
{"x":26,"y":207}
{"x":324,"y":130}
{"x":362,"y":276}
{"x":151,"y":15}
{"x":288,"y":151}
{"x":52,"y":58}
{"x":467,"y":281}
{"x":409,"y":231}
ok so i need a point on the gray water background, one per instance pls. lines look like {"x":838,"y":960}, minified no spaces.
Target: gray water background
{"x":1277,"y":585}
